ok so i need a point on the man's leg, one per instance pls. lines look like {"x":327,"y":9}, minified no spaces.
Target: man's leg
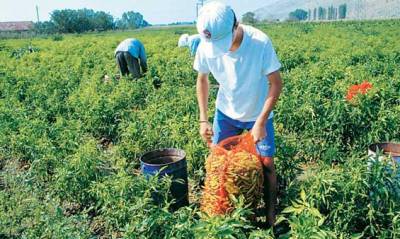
{"x":123,"y":68}
{"x":266,"y":148}
{"x":270,"y":185}
{"x":133,"y":65}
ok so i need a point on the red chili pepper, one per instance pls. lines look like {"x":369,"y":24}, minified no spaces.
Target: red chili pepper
{"x":358,"y":89}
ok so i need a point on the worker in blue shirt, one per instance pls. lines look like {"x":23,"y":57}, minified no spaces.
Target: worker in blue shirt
{"x":192,"y":42}
{"x":130,"y":54}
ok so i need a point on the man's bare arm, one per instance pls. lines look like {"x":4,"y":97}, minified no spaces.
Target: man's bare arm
{"x":202,"y":95}
{"x":202,"y":98}
{"x":275,"y":89}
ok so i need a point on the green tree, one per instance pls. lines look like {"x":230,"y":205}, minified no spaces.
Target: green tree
{"x":103,"y":21}
{"x":64,"y":20}
{"x":330,"y":13}
{"x":249,"y":17}
{"x":47,"y":27}
{"x":343,"y":11}
{"x":81,"y":20}
{"x":315,"y":14}
{"x":322,"y":13}
{"x":298,"y":15}
{"x":132,"y":20}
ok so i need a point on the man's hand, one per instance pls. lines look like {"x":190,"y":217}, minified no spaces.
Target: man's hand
{"x":202,"y":87}
{"x":258,"y":131}
{"x":206,"y":131}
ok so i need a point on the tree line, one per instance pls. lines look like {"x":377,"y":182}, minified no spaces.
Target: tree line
{"x":320,"y":13}
{"x":330,"y":13}
{"x":84,"y":20}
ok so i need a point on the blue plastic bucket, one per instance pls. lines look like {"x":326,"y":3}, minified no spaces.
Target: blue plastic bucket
{"x":388,"y":152}
{"x":170,"y":162}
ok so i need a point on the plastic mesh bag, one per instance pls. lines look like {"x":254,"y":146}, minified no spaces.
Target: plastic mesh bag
{"x":232,"y":169}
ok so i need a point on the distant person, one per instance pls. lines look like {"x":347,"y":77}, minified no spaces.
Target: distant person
{"x":130,"y":53}
{"x":192,"y":42}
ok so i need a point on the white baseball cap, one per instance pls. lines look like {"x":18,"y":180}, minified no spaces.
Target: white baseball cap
{"x":215,"y":26}
{"x":183,"y":40}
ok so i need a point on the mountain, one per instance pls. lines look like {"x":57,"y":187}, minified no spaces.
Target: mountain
{"x":356,"y":9}
{"x":279,"y":9}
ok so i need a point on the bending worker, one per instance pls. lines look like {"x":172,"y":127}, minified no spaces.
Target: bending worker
{"x":192,"y":42}
{"x":130,"y":53}
{"x":243,"y":61}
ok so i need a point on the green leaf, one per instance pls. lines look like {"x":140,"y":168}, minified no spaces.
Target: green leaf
{"x":303,"y":195}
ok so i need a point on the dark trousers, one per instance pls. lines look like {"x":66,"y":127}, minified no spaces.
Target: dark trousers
{"x":128,"y":64}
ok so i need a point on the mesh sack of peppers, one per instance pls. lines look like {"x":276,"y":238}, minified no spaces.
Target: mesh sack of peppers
{"x":232,"y":169}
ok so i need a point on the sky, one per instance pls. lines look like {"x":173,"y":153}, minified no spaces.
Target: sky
{"x":154,"y":11}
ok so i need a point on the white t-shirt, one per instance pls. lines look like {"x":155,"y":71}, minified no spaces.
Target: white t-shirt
{"x":242,"y":75}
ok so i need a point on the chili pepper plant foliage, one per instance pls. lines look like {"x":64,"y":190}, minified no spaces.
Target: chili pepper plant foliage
{"x":70,"y":142}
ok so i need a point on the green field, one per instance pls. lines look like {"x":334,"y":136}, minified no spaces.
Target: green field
{"x":70,"y":142}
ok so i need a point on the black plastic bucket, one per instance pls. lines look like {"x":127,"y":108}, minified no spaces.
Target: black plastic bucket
{"x":171,"y":162}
